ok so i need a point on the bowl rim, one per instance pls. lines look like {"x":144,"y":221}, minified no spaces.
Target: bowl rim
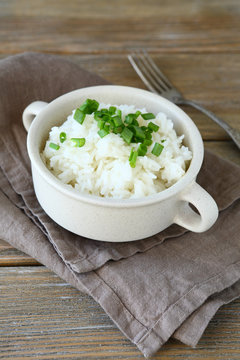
{"x":68,"y":190}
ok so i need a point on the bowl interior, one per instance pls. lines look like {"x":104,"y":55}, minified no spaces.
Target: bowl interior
{"x":58,"y":110}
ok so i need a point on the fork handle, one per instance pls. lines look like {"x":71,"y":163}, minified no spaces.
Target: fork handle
{"x":235,"y":134}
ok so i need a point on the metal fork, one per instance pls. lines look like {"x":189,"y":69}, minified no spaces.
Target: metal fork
{"x":157,"y":82}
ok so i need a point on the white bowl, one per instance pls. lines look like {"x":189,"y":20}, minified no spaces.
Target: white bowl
{"x":113,"y":219}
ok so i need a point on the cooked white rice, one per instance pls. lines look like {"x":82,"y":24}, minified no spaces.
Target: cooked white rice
{"x":101,"y":167}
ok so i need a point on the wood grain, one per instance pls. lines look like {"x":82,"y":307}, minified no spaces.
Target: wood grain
{"x":212,"y":81}
{"x":197,"y":45}
{"x":42,"y":317}
{"x":118,"y":26}
{"x":13,"y":257}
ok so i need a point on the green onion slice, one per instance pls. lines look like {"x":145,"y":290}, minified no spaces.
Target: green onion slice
{"x":147,"y":142}
{"x":79,"y":142}
{"x":101,"y":124}
{"x":117,"y":121}
{"x":106,"y":117}
{"x":104,"y":111}
{"x":157,"y":149}
{"x":153,"y":127}
{"x":138,"y":132}
{"x":148,"y":116}
{"x":148,"y":135}
{"x":103,"y":133}
{"x":62,"y":137}
{"x":54,"y":146}
{"x":131,"y":154}
{"x":107,"y":128}
{"x":79,"y":116}
{"x":133,"y":158}
{"x":142,"y":150}
{"x":97,"y":115}
{"x":129,"y":118}
{"x":89,"y":106}
{"x":127,"y":135}
{"x":118,"y":130}
{"x":135,"y":122}
{"x":112,"y":110}
{"x":119,"y":113}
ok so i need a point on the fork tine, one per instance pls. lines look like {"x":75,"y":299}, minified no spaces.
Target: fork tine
{"x":152,"y":73}
{"x":145,"y":74}
{"x":140,"y":73}
{"x":158,"y":71}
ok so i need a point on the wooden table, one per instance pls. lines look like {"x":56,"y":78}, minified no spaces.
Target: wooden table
{"x":197,"y":44}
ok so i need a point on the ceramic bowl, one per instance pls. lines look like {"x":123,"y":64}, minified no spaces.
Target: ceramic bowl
{"x":113,"y":219}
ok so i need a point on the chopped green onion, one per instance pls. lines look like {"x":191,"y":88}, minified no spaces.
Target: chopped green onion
{"x":79,"y":116}
{"x":103,"y":133}
{"x":157,"y":149}
{"x":110,"y":120}
{"x":118,"y":130}
{"x":142,"y":150}
{"x":131,"y":154}
{"x":134,"y":140}
{"x":89,"y":106}
{"x":148,"y":135}
{"x":98,"y":115}
{"x":62,"y":137}
{"x":79,"y":142}
{"x":112,"y":110}
{"x":107,"y":128}
{"x":129,"y":118}
{"x":139,"y":133}
{"x":153,"y":127}
{"x":147,"y":142}
{"x":162,"y":141}
{"x":106,"y":117}
{"x":148,"y":116}
{"x":117,"y":121}
{"x":101,"y":124}
{"x":135,"y":122}
{"x":127,"y":135}
{"x":54,"y":146}
{"x":119,"y":113}
{"x":133,"y":157}
{"x":111,"y":124}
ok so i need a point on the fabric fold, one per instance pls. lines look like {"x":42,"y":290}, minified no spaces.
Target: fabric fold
{"x":170,"y":284}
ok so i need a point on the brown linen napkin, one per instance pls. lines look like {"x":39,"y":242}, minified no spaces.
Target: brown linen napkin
{"x":182,"y":282}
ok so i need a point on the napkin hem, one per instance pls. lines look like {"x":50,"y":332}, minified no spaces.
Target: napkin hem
{"x":189,"y":334}
{"x":150,"y":340}
{"x":87,"y":262}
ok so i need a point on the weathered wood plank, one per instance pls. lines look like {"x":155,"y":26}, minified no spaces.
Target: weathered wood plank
{"x":102,"y":27}
{"x":42,"y":317}
{"x":211,"y":80}
{"x":197,"y":45}
{"x":126,"y":10}
{"x":226,"y":149}
{"x":13,"y":257}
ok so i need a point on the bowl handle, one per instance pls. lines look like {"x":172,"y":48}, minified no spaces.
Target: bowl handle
{"x":204,"y":203}
{"x":31,"y":111}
